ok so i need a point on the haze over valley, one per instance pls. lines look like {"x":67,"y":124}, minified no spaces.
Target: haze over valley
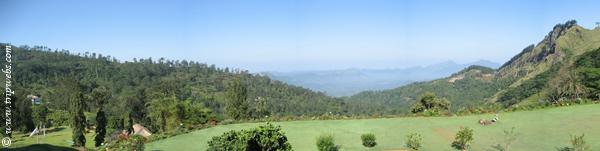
{"x":346,"y":82}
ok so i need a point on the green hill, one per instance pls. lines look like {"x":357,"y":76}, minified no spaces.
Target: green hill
{"x":545,"y":73}
{"x":54,"y":75}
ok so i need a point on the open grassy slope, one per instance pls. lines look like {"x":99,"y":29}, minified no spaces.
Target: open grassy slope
{"x":537,"y":130}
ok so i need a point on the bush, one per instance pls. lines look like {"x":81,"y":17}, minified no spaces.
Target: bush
{"x":133,"y":143}
{"x":262,"y":138}
{"x":413,"y":141}
{"x":577,"y":144}
{"x":232,"y":140}
{"x":463,"y":139}
{"x":137,"y":142}
{"x":368,"y":140}
{"x":326,"y":143}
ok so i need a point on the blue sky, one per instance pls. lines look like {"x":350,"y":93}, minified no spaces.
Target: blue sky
{"x":289,"y":35}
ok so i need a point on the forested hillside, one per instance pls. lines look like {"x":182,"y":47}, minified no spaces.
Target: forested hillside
{"x":556,"y":70}
{"x":464,"y":88}
{"x":155,"y":92}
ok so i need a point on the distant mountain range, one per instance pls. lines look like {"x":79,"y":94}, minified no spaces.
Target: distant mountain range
{"x":348,"y":82}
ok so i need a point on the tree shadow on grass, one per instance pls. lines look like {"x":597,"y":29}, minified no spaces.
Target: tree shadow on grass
{"x":56,"y":129}
{"x":41,"y":147}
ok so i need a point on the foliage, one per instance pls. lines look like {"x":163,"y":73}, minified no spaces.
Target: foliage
{"x":480,"y":109}
{"x":261,"y":109}
{"x":429,"y":103}
{"x":100,"y":96}
{"x":463,"y":139}
{"x":40,"y":114}
{"x":59,"y":118}
{"x":474,"y":87}
{"x":169,"y":113}
{"x":132,"y":143}
{"x":23,"y":119}
{"x":163,"y":113}
{"x":527,"y":88}
{"x":237,"y":105}
{"x":133,"y":84}
{"x":137,"y":142}
{"x":326,"y":143}
{"x":263,"y":138}
{"x":368,"y":140}
{"x":78,"y":124}
{"x":232,"y":140}
{"x":588,"y":67}
{"x":577,"y":144}
{"x":100,"y":128}
{"x":195,"y":113}
{"x":414,"y":141}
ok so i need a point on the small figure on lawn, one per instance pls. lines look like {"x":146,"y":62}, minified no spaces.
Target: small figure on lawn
{"x":488,"y":122}
{"x":495,"y":119}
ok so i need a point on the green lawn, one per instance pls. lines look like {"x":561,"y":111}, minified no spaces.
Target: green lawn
{"x":537,"y":130}
{"x":58,"y":136}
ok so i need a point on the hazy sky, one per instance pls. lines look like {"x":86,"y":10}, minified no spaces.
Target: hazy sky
{"x":287,"y":35}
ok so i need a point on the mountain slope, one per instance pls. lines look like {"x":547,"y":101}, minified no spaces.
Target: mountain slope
{"x":462,"y":89}
{"x":351,"y":81}
{"x":549,"y":66}
{"x":542,"y":73}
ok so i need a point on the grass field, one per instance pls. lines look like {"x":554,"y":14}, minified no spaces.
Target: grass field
{"x":58,"y":136}
{"x":537,"y":130}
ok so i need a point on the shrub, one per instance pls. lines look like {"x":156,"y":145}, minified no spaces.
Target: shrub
{"x":577,"y":144}
{"x":137,"y":142}
{"x":326,"y":143}
{"x":232,"y":140}
{"x":368,"y":140}
{"x":413,"y":141}
{"x":133,"y":143}
{"x":463,"y":139}
{"x":262,"y":138}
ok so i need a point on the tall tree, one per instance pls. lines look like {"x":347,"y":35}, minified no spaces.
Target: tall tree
{"x":100,"y":127}
{"x":77,"y":109}
{"x":24,"y":119}
{"x":101,"y":96}
{"x":237,"y":107}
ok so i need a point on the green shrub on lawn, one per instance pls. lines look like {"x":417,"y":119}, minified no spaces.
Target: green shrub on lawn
{"x":368,"y":140}
{"x":262,"y":138}
{"x":326,"y":143}
{"x":413,"y":141}
{"x":463,"y":139}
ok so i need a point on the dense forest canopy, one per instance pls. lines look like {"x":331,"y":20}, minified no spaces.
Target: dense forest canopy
{"x":138,"y":88}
